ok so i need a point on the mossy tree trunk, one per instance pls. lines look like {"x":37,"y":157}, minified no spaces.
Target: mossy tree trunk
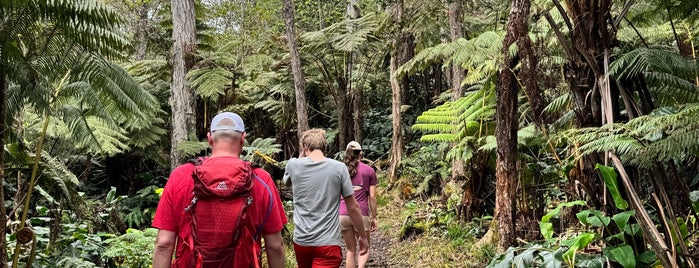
{"x":299,"y":82}
{"x":184,"y":35}
{"x":506,"y":123}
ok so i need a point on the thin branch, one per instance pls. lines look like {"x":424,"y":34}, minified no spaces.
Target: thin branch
{"x":561,"y":38}
{"x":622,"y":15}
{"x":637,"y":32}
{"x":564,"y":15}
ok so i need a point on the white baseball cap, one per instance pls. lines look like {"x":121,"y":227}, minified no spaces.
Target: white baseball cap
{"x":227,"y":121}
{"x":354,"y":146}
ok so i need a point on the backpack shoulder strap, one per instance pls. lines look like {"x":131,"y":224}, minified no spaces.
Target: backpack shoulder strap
{"x":258,"y":229}
{"x":196,"y":161}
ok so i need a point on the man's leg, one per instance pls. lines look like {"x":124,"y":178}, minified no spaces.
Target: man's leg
{"x":351,"y":244}
{"x":363,"y":259}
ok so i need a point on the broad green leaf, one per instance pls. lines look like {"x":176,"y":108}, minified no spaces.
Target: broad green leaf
{"x":593,"y":217}
{"x":589,"y":261}
{"x":632,"y":229}
{"x":622,"y":218}
{"x":599,"y":220}
{"x":647,"y":256}
{"x":619,"y":236}
{"x":111,"y":194}
{"x":609,"y":176}
{"x":524,"y":259}
{"x":683,"y":227}
{"x":579,"y":242}
{"x":624,"y":255}
{"x":694,"y":197}
{"x":503,"y":261}
{"x":552,"y":259}
{"x":546,"y":227}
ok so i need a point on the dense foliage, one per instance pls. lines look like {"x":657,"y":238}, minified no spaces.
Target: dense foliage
{"x":607,"y":141}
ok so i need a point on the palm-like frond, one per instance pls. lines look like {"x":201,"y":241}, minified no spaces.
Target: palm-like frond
{"x":192,"y":148}
{"x":260,"y":149}
{"x":88,"y":23}
{"x":666,"y":134}
{"x":458,"y":122}
{"x":479,"y":56}
{"x":668,"y":74}
{"x":346,"y":36}
{"x":559,"y":104}
{"x":210,"y":83}
{"x":57,"y":176}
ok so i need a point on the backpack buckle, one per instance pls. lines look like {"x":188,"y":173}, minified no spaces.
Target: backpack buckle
{"x":191,"y":204}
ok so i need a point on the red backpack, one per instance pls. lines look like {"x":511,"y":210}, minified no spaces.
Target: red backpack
{"x":222,"y":233}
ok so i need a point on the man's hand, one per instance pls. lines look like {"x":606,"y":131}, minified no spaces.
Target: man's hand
{"x":373,"y":225}
{"x":363,"y":245}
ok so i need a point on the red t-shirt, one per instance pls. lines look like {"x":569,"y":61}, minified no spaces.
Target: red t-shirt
{"x":178,"y":194}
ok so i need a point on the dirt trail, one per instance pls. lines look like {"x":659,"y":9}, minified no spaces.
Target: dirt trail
{"x":380,"y":245}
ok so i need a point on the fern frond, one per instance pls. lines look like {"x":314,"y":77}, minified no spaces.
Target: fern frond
{"x":210,"y":83}
{"x":75,"y":262}
{"x":192,"y":148}
{"x":560,"y":103}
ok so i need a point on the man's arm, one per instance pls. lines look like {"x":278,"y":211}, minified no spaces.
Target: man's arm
{"x":274,"y":246}
{"x":356,"y":216}
{"x":164,"y":246}
{"x":372,"y":206}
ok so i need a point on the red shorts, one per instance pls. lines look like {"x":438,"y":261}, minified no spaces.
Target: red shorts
{"x":318,"y":257}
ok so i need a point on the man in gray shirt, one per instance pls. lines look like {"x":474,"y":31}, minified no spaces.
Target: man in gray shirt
{"x":317,"y":184}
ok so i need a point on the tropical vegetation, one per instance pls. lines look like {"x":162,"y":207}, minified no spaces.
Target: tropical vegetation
{"x":523,"y":133}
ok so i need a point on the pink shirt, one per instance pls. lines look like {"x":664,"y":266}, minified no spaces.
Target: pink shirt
{"x":365,"y":178}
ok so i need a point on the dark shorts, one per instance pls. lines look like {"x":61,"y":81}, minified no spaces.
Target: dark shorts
{"x":318,"y":257}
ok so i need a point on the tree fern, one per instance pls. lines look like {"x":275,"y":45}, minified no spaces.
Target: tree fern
{"x":660,"y":137}
{"x":132,"y":249}
{"x":668,"y":74}
{"x":260,"y":150}
{"x":345,"y":36}
{"x":459,"y":122}
{"x":56,"y":176}
{"x":479,"y":56}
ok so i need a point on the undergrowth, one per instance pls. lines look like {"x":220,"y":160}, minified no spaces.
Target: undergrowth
{"x":445,"y":242}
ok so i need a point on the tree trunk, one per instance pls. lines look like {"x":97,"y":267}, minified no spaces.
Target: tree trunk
{"x":479,"y":173}
{"x":590,"y":37}
{"x":456,"y":31}
{"x":344,"y":115}
{"x":3,"y":213}
{"x":397,"y":137}
{"x":142,"y":32}
{"x":299,"y":82}
{"x":402,"y":51}
{"x":184,"y":34}
{"x":506,"y":127}
{"x":357,"y":92}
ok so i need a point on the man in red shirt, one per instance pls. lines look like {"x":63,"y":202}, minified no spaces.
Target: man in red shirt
{"x":267,"y":214}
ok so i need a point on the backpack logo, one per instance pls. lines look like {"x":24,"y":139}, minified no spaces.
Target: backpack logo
{"x":222,"y":186}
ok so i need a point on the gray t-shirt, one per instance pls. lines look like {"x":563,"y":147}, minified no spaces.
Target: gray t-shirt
{"x":317,"y":188}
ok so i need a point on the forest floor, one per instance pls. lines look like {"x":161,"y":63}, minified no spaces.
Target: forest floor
{"x":379,"y":254}
{"x":430,"y":249}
